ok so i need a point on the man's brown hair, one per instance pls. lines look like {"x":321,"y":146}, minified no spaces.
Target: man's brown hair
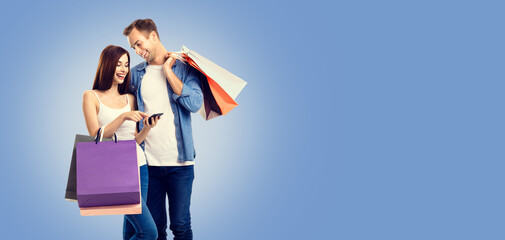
{"x":142,"y":25}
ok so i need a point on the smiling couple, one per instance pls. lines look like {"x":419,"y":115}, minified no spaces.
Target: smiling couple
{"x":121,"y":98}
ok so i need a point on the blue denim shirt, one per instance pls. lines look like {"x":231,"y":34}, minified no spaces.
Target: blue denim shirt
{"x":183,"y":105}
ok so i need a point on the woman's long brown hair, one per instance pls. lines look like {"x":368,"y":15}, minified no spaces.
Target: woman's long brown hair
{"x":107,"y":67}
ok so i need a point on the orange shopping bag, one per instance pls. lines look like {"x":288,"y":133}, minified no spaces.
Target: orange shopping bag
{"x":220,"y":89}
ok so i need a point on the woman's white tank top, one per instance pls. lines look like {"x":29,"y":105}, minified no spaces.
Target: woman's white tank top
{"x":126,"y":131}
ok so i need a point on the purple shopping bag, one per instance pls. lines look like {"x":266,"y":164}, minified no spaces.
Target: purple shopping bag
{"x":107,"y":173}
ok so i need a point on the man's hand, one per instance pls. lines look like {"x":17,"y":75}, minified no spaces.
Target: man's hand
{"x":172,"y":79}
{"x":169,"y":63}
{"x":171,"y":57}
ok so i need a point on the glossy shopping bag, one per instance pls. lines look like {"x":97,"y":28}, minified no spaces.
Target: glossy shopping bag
{"x":220,"y":88}
{"x":107,"y":173}
{"x":71,"y":190}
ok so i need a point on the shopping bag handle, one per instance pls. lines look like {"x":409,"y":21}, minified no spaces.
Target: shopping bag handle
{"x":100,"y":133}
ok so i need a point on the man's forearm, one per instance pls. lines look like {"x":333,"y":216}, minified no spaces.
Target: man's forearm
{"x":174,"y":82}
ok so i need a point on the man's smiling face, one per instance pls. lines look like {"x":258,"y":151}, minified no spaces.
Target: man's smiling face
{"x":143,"y":46}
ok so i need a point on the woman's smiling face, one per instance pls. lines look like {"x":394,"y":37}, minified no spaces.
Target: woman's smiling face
{"x":121,"y":69}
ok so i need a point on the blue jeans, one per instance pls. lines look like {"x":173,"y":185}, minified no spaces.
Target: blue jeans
{"x":176,"y":183}
{"x":140,"y":226}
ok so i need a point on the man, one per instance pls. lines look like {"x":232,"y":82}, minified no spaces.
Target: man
{"x":164,"y":85}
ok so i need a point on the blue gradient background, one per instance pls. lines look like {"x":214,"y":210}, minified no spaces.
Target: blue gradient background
{"x":360,"y":120}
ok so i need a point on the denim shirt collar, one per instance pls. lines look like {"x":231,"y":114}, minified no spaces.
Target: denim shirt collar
{"x":142,"y":66}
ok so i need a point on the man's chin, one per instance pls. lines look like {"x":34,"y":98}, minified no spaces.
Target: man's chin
{"x":149,"y":57}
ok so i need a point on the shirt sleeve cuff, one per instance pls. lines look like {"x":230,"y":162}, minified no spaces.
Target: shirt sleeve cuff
{"x":184,"y":93}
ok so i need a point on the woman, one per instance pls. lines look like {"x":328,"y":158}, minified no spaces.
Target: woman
{"x":108,"y":104}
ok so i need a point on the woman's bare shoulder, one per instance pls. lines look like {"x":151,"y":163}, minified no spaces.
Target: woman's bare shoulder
{"x":89,"y":95}
{"x":131,"y":96}
{"x":132,"y":100}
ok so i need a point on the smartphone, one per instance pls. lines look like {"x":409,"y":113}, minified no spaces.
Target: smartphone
{"x":153,"y":116}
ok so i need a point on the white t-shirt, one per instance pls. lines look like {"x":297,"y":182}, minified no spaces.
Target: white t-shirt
{"x":160,"y":143}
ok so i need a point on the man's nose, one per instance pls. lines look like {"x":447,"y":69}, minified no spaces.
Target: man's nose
{"x":137,"y":51}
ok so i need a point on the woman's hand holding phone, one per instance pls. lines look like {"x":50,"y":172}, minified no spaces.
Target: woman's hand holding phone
{"x":151,"y":121}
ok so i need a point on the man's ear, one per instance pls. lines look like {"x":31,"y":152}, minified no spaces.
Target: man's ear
{"x":154,"y":35}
